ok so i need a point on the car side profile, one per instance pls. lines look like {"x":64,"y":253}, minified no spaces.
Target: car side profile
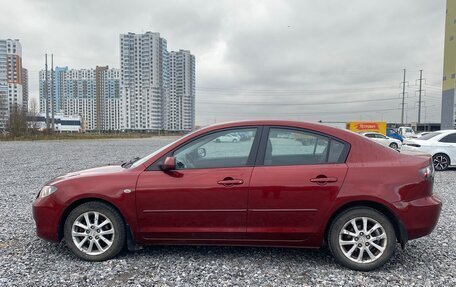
{"x":291,"y":184}
{"x":441,"y":145}
{"x":383,"y":140}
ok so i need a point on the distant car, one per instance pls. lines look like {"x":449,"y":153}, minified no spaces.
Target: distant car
{"x":232,"y":138}
{"x":406,"y":132}
{"x":339,"y":189}
{"x":384,"y":140}
{"x":243,"y":136}
{"x":393,"y":134}
{"x":441,"y":145}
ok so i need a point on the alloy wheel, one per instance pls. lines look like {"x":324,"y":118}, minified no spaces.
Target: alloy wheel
{"x":363,"y":240}
{"x":440,"y":162}
{"x":93,"y":233}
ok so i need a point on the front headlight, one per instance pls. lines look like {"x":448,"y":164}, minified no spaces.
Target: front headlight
{"x":47,"y":190}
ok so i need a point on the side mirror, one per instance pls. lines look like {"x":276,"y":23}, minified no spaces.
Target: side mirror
{"x":201,"y":152}
{"x":169,"y":164}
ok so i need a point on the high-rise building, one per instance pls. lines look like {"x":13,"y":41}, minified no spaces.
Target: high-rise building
{"x":94,"y":94}
{"x":180,"y":102}
{"x":158,"y":87}
{"x":449,"y":68}
{"x":25,"y":90}
{"x":3,"y":86}
{"x":56,"y":96}
{"x":11,"y":82}
{"x":144,"y":80}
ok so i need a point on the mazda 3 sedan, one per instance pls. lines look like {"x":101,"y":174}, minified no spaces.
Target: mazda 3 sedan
{"x":289,"y":184}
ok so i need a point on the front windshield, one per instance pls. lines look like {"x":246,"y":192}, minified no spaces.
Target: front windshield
{"x":429,"y":136}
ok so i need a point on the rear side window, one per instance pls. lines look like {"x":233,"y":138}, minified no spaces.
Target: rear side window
{"x":451,"y":138}
{"x":336,"y":152}
{"x":294,"y":147}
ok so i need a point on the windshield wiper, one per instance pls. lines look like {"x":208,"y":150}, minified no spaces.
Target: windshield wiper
{"x":130,"y":163}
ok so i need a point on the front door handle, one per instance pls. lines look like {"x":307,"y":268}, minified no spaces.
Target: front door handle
{"x":323,"y":180}
{"x":228,"y":181}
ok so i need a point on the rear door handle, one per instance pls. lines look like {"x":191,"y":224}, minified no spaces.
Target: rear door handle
{"x":323,"y":180}
{"x":230,"y":181}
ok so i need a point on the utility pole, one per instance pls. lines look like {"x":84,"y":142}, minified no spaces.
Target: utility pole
{"x":52,"y":93}
{"x":419,"y":97}
{"x":46,"y":93}
{"x":403,"y":98}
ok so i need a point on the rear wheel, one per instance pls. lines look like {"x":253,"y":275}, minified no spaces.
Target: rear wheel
{"x":94,"y":231}
{"x":235,"y":140}
{"x":393,"y":145}
{"x":362,"y":238}
{"x":441,"y":161}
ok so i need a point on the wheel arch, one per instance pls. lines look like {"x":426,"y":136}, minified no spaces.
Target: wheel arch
{"x":77,"y":203}
{"x":399,"y":229}
{"x":444,"y":153}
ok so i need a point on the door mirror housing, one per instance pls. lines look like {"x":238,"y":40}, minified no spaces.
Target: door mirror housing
{"x":168,"y":164}
{"x":201,"y":152}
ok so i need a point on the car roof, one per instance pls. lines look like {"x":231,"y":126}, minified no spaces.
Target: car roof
{"x":375,"y":151}
{"x":447,"y":131}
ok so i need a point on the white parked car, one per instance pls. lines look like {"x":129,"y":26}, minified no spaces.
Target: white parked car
{"x":383,"y":140}
{"x":440,"y":144}
{"x":232,"y":138}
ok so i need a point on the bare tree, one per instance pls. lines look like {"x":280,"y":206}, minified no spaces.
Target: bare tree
{"x":33,"y":112}
{"x":17,"y":122}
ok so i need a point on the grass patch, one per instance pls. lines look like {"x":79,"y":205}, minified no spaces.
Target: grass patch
{"x":84,"y":136}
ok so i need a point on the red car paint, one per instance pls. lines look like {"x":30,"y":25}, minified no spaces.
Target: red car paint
{"x":273,"y":205}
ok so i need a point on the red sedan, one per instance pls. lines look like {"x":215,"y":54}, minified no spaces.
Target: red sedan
{"x":283,"y":183}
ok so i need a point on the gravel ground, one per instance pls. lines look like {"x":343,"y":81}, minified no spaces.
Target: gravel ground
{"x":25,"y":260}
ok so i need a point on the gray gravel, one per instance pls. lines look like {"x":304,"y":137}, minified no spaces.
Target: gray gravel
{"x":25,"y":260}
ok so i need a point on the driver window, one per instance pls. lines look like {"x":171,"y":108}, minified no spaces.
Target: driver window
{"x":230,"y":148}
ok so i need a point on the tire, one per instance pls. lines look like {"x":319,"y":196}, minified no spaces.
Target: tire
{"x":441,"y":162}
{"x":348,"y":254}
{"x":393,"y":145}
{"x":235,"y":140}
{"x":109,"y":228}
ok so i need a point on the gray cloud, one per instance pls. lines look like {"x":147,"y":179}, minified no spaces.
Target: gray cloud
{"x":269,"y":52}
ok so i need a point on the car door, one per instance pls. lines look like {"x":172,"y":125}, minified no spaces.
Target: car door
{"x":297,"y":175}
{"x":206,"y":196}
{"x":382,"y":139}
{"x":449,"y":144}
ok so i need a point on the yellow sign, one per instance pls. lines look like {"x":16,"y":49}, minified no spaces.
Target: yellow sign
{"x":379,"y":127}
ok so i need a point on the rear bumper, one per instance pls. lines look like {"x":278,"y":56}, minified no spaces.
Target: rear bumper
{"x":46,"y":215}
{"x":419,"y":216}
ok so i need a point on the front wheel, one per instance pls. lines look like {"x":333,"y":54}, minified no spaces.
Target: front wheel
{"x":441,"y":161}
{"x":94,"y":231}
{"x":362,"y":238}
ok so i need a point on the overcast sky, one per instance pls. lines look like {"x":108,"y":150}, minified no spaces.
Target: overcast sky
{"x":308,"y":60}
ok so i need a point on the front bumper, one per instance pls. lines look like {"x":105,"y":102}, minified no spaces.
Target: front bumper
{"x":46,"y":214}
{"x":420,"y":216}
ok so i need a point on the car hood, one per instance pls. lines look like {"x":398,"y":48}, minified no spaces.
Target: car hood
{"x":87,"y":172}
